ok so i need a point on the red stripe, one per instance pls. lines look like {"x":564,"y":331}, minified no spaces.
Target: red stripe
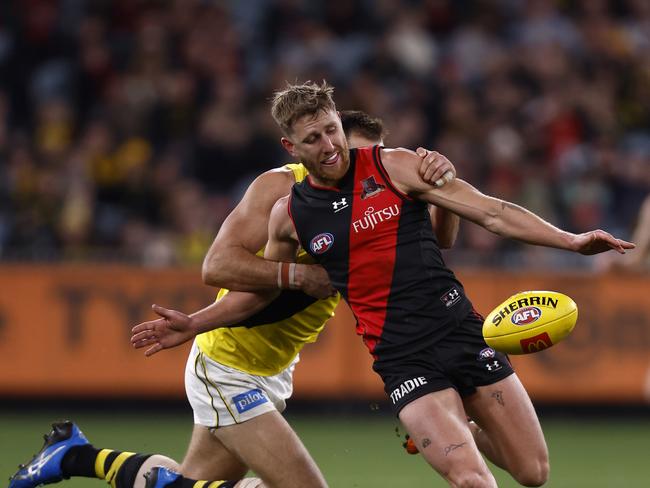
{"x":372,"y":256}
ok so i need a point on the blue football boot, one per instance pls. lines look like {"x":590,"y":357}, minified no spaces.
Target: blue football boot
{"x":159,"y":477}
{"x":45,"y":467}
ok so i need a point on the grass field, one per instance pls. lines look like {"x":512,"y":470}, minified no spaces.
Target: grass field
{"x":354,"y":452}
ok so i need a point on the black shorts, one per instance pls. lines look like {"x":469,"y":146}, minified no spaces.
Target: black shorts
{"x":461,"y":360}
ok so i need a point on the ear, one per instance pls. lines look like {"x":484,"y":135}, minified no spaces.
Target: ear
{"x":289,"y":146}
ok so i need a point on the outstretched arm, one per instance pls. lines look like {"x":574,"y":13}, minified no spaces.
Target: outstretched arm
{"x":498,"y":216}
{"x":174,"y":328}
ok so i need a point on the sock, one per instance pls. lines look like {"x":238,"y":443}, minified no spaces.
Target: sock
{"x":188,"y":483}
{"x":117,"y":468}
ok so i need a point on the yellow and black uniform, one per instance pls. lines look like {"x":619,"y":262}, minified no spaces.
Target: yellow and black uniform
{"x":267,"y":342}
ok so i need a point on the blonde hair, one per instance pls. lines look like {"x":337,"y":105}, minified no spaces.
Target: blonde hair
{"x":294,"y":101}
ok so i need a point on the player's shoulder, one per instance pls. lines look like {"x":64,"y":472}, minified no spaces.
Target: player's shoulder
{"x":398,"y":154}
{"x":273,"y":183}
{"x":400,"y":162}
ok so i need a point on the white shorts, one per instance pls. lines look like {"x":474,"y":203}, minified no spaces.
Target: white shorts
{"x":221,"y":395}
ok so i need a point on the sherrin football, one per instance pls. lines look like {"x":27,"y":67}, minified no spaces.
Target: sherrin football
{"x":530,"y":321}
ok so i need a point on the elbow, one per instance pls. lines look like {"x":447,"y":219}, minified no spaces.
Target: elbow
{"x":211,"y":270}
{"x":207,"y":275}
{"x":491,"y":220}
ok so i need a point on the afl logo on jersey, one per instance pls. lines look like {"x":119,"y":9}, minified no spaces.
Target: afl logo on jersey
{"x":321,"y":243}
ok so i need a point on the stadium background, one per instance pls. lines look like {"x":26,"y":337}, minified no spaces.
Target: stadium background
{"x":129,"y":129}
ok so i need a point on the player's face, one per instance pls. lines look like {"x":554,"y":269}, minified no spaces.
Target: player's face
{"x":318,"y":141}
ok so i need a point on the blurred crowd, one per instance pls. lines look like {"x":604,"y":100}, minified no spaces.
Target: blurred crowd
{"x":130,"y":128}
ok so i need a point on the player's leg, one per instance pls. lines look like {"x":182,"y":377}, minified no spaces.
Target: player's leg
{"x":510,"y":434}
{"x":242,"y":412}
{"x":67,"y":453}
{"x":270,"y":447}
{"x":208,"y":459}
{"x":438,"y":425}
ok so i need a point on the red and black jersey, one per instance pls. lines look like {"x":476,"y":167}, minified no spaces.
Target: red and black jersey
{"x":381,"y":254}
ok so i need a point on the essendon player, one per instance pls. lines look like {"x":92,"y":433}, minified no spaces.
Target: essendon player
{"x":362,"y":215}
{"x":412,"y":312}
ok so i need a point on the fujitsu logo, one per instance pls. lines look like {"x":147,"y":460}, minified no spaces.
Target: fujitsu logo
{"x":374,"y":217}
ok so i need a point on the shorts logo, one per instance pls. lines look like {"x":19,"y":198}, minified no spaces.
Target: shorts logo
{"x":407,"y":387}
{"x":451,"y":298}
{"x":526,"y":315}
{"x":485,"y":354}
{"x":322,"y":243}
{"x":249,"y":399}
{"x":536,"y":343}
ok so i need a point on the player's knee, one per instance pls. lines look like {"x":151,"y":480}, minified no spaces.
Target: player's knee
{"x":534,"y":473}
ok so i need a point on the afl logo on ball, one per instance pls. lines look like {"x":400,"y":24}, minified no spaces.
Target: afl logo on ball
{"x":321,"y":243}
{"x":526,"y":315}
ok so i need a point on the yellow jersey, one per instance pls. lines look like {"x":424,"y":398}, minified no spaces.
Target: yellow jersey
{"x":268,"y":342}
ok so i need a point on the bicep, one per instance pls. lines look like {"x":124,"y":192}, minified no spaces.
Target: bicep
{"x":457,"y":196}
{"x":282,"y":242}
{"x":247,"y":224}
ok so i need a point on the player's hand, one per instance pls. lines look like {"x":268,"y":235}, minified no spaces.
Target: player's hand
{"x":172,"y":329}
{"x":598,"y":241}
{"x":314,"y":281}
{"x":435,"y":168}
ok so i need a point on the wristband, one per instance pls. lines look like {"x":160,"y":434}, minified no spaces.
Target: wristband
{"x":287,"y":276}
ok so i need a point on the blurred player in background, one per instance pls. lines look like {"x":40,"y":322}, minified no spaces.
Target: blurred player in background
{"x":639,"y":262}
{"x":237,"y":379}
{"x":411,"y":310}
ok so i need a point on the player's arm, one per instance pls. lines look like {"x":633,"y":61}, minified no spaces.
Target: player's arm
{"x":174,"y":328}
{"x":498,"y":216}
{"x":231,"y":261}
{"x":437,"y":170}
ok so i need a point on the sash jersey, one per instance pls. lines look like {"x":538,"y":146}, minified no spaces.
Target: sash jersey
{"x":381,"y":254}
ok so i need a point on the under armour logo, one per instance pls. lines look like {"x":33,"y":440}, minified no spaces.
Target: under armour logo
{"x":338,"y":206}
{"x":452,"y":297}
{"x":493,"y":366}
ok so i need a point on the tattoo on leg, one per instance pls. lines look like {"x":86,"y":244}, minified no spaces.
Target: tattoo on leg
{"x":453,"y":447}
{"x":498,"y":396}
{"x":426,"y":442}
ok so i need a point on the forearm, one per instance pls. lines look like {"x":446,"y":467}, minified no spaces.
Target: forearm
{"x":515,"y":222}
{"x":238,"y":269}
{"x":231,"y":309}
{"x":446,"y":226}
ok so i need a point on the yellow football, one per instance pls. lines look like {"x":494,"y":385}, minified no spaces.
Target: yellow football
{"x":530,"y":321}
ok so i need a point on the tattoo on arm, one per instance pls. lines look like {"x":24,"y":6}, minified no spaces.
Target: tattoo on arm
{"x":426,"y":442}
{"x":511,"y":206}
{"x":453,"y":447}
{"x":498,"y":396}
